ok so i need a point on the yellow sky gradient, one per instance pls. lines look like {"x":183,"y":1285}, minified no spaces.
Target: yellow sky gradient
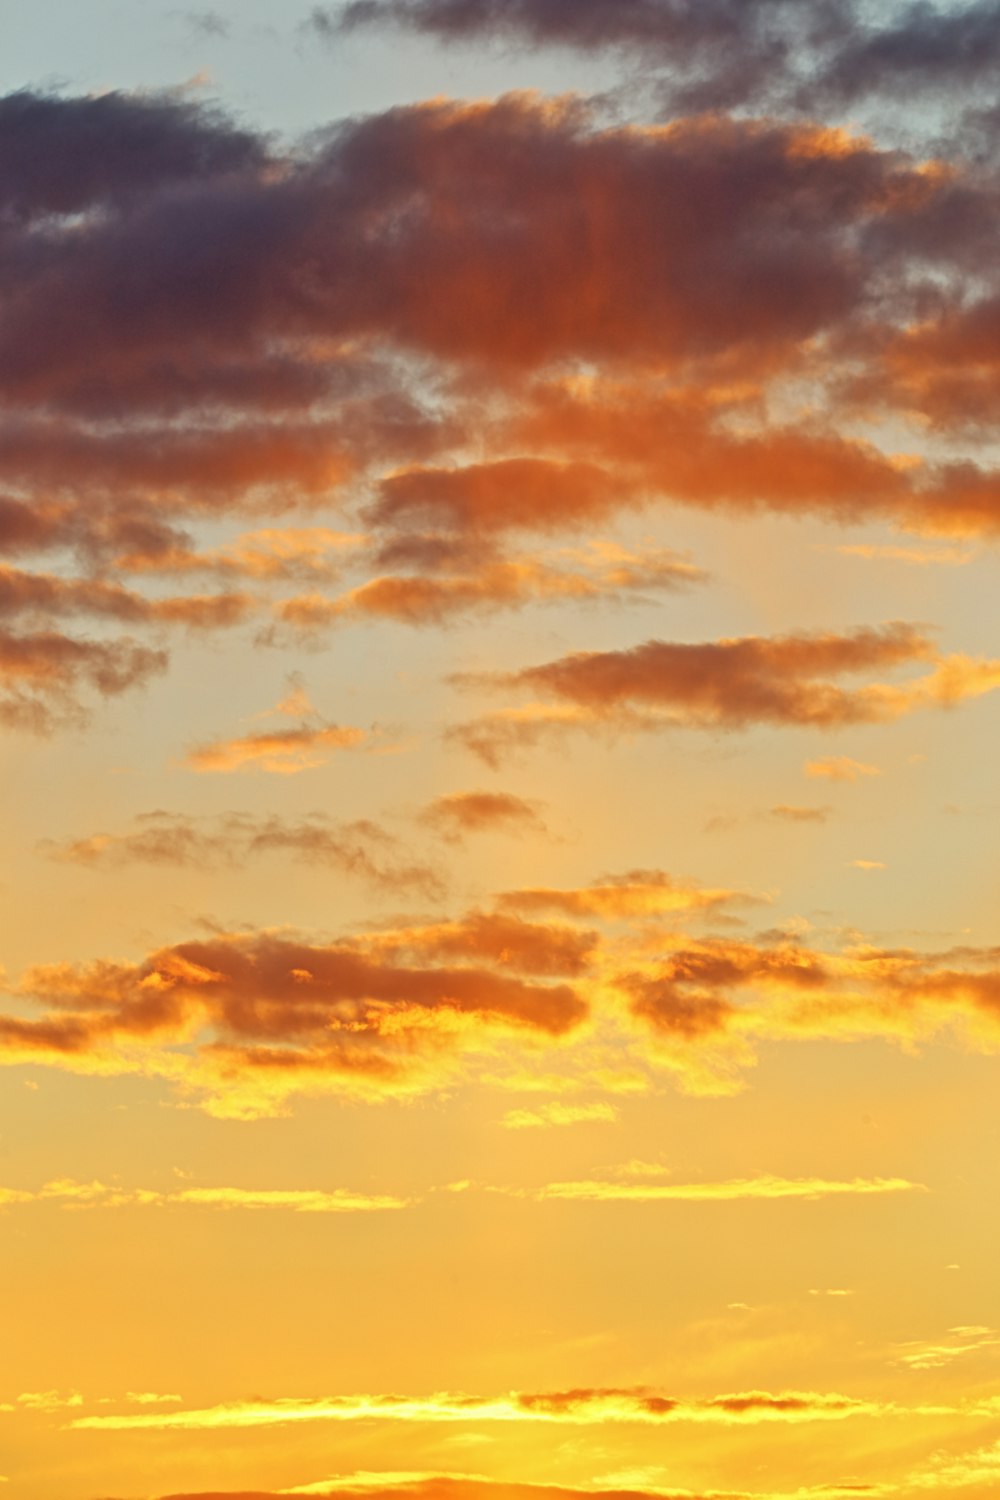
{"x":498,"y":722}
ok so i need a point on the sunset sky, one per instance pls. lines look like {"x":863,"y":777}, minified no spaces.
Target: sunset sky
{"x":499,"y":724}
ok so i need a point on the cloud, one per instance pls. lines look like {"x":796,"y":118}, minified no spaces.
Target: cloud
{"x":945,"y":368}
{"x":717,"y":452}
{"x":728,"y":684}
{"x":514,"y":493}
{"x":557,"y":1113}
{"x":602,"y":572}
{"x":62,"y":155}
{"x":282,"y":752}
{"x":768,"y":1187}
{"x":920,"y":557}
{"x":573,"y":1407}
{"x":245,"y":1022}
{"x":225,"y":326}
{"x":940,"y":49}
{"x":596,"y":272}
{"x":69,"y":1194}
{"x":782,"y":812}
{"x":708,"y":1003}
{"x":732,"y":682}
{"x":297,"y":1200}
{"x":237,"y":466}
{"x":731,"y":52}
{"x":496,"y":937}
{"x":728,"y":53}
{"x":360,"y":849}
{"x":270,"y":1015}
{"x":45,"y":596}
{"x":840,"y":768}
{"x":43,"y":673}
{"x":941,"y":1472}
{"x":456,"y":815}
{"x":268,"y":554}
{"x":959,"y":1342}
{"x":787,"y":813}
{"x":639,"y":893}
{"x":207,"y":23}
{"x":48,"y":1401}
{"x":150,"y":1398}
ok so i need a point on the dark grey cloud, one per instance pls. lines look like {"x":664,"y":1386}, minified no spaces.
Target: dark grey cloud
{"x":721,"y":54}
{"x":66,"y":155}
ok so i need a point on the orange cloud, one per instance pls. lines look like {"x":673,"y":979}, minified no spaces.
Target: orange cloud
{"x":684,"y":445}
{"x":640,"y":893}
{"x":273,"y":1015}
{"x":293,"y":406}
{"x":273,"y":553}
{"x":43,"y":673}
{"x":727,"y":684}
{"x":283,"y":752}
{"x":45,"y":596}
{"x":707,"y":1002}
{"x":499,"y":938}
{"x":402,"y":1010}
{"x":127,"y":420}
{"x":920,"y":557}
{"x":840,"y":768}
{"x":435,"y":598}
{"x":458,"y":814}
{"x":526,"y":493}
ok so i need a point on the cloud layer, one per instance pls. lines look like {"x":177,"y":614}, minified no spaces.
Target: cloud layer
{"x":241,"y":331}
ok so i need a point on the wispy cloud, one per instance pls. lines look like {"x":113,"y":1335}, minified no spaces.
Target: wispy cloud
{"x":738,"y":1189}
{"x":557,"y":1113}
{"x":66,"y":1193}
{"x":282,"y":752}
{"x":581,"y":1406}
{"x":840,"y":768}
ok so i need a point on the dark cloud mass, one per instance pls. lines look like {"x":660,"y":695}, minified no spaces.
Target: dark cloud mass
{"x":66,"y":155}
{"x":714,"y":53}
{"x":456,"y":321}
{"x":725,"y":53}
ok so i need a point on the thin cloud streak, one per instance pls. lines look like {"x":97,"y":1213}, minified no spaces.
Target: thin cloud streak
{"x":572,"y":1407}
{"x":66,"y":1193}
{"x":740,"y":1189}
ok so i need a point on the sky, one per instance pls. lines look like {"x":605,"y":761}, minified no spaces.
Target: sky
{"x":498,"y":717}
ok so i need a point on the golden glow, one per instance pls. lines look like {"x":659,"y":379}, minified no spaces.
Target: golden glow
{"x":499,"y":702}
